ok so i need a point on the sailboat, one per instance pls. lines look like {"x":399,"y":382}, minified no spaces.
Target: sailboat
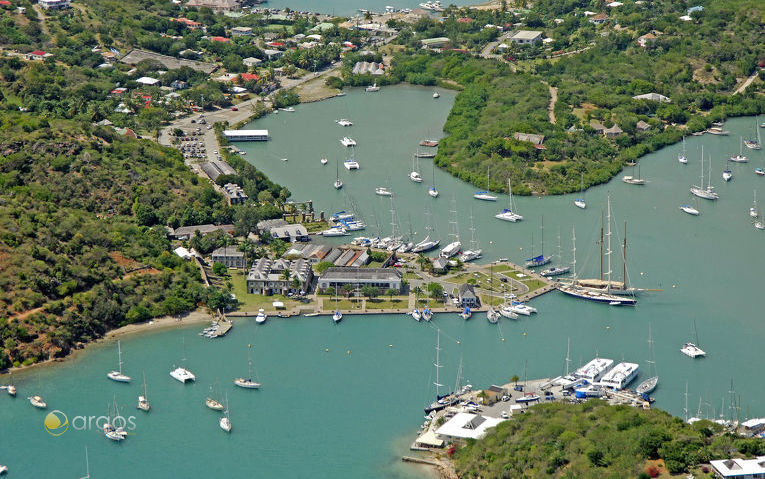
{"x":432,"y":191}
{"x":691,"y":210}
{"x":693,"y":350}
{"x":474,"y":252}
{"x":182,"y":374}
{"x":632,"y":180}
{"x":454,"y":247}
{"x":759,"y":223}
{"x":414,"y":175}
{"x":143,"y":401}
{"x":649,"y":384}
{"x":508,"y":214}
{"x":727,"y":173}
{"x":485,"y":195}
{"x":11,"y":388}
{"x":428,"y":243}
{"x":444,"y":401}
{"x":337,"y":316}
{"x":225,"y":421}
{"x":540,"y":260}
{"x":338,"y":182}
{"x":740,"y":158}
{"x":117,"y":375}
{"x":681,"y":157}
{"x":707,"y":193}
{"x":579,"y":202}
{"x":324,"y":160}
{"x":556,"y":270}
{"x":754,"y":144}
{"x":383,"y":191}
{"x":37,"y":401}
{"x":492,"y":315}
{"x":247,"y":383}
{"x":427,"y":314}
{"x":601,"y":291}
{"x":753,"y":210}
{"x":213,"y":403}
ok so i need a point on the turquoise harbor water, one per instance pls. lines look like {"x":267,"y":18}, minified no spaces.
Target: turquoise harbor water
{"x":339,"y":414}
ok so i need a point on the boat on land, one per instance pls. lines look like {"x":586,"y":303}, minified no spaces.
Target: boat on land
{"x":708,"y":192}
{"x":485,"y":195}
{"x":740,"y":158}
{"x":372,"y":88}
{"x":180,"y":373}
{"x":579,"y":202}
{"x":634,"y":180}
{"x":429,"y":143}
{"x":118,"y":375}
{"x":382,"y":191}
{"x":692,"y":350}
{"x":143,"y":401}
{"x":248,"y":382}
{"x":344,"y":122}
{"x":649,"y":384}
{"x":348,"y":141}
{"x":681,"y":157}
{"x":509,"y":214}
{"x":261,"y":317}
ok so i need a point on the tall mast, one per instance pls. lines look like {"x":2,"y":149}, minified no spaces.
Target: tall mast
{"x":119,"y":355}
{"x":459,"y":377}
{"x":393,"y":218}
{"x":702,"y":167}
{"x":560,"y":256}
{"x":601,"y":244}
{"x":650,"y":361}
{"x":608,"y":245}
{"x":568,"y":359}
{"x":624,"y":258}
{"x":455,"y":228}
{"x":437,"y":365}
{"x":473,"y":241}
{"x":542,"y":227}
{"x":685,"y":409}
{"x":573,"y":249}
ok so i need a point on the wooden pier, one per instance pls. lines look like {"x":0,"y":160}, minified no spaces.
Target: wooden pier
{"x":420,"y":460}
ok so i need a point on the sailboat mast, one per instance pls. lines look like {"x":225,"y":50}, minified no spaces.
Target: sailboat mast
{"x":119,"y":355}
{"x":601,"y":245}
{"x":651,"y":362}
{"x":568,"y":359}
{"x":437,"y":365}
{"x":542,"y":227}
{"x":624,"y":258}
{"x":573,"y":249}
{"x":702,"y":167}
{"x":608,"y":245}
{"x":392,"y":218}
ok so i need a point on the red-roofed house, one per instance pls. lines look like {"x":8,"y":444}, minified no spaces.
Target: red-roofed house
{"x":119,"y":91}
{"x":275,"y":44}
{"x":189,"y":23}
{"x":248,"y":77}
{"x":647,"y":39}
{"x":349,"y":45}
{"x":220,"y":39}
{"x":5,"y":3}
{"x":464,"y":20}
{"x":37,"y":55}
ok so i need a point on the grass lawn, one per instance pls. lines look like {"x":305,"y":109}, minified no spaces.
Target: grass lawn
{"x":492,"y":300}
{"x":252,"y":302}
{"x":409,"y":275}
{"x":533,"y":284}
{"x":503,"y":268}
{"x":380,"y":303}
{"x":329,"y":304}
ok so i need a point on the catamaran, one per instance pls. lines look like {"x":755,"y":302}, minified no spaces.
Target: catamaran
{"x":348,"y":141}
{"x":351,"y":163}
{"x":649,"y":384}
{"x":248,"y":382}
{"x":143,"y":401}
{"x":475,"y":251}
{"x":681,"y":157}
{"x":632,"y":180}
{"x":485,"y":195}
{"x":118,"y":375}
{"x":454,"y":247}
{"x":579,"y":202}
{"x":509,"y":214}
{"x":344,"y":122}
{"x":182,"y":374}
{"x":692,"y":350}
{"x":708,"y":192}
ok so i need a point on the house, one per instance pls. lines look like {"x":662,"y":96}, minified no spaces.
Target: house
{"x":382,"y":278}
{"x":245,"y":77}
{"x":269,"y":277}
{"x":229,"y":256}
{"x":440,"y":265}
{"x":613,"y":132}
{"x":148,"y":81}
{"x":598,"y":19}
{"x":642,"y":126}
{"x":371,"y":68}
{"x":213,"y":169}
{"x":190,"y":24}
{"x":647,"y":39}
{"x":54,"y":4}
{"x":531,"y":137}
{"x":272,"y":54}
{"x":526,"y":37}
{"x":652,"y":97}
{"x":598,"y":127}
{"x":220,"y":39}
{"x":466,"y":426}
{"x":241,"y":31}
{"x":438,"y":42}
{"x":234,"y":194}
{"x":290,"y":233}
{"x":266,"y":225}
{"x":186,"y":232}
{"x":466,"y":296}
{"x":179,"y":85}
{"x":740,"y":468}
{"x":37,"y":55}
{"x":126,"y":132}
{"x":493,"y":394}
{"x":250,"y":62}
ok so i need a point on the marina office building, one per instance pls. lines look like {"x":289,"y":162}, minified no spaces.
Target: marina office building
{"x":382,"y":278}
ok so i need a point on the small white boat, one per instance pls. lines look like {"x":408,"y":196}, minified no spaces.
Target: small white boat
{"x":261,"y":317}
{"x":214,"y":405}
{"x":285,"y":159}
{"x":11,"y":390}
{"x":681,"y":157}
{"x":427,"y":314}
{"x":117,"y":375}
{"x":508,"y":313}
{"x":334,"y":231}
{"x":579,"y":203}
{"x":3,"y":469}
{"x":348,"y":141}
{"x":382,"y":191}
{"x":436,"y":94}
{"x":466,"y":314}
{"x":289,"y":109}
{"x":372,"y":88}
{"x":485,"y":196}
{"x":415,"y":176}
{"x":324,"y":161}
{"x":338,"y":184}
{"x":492,"y":315}
{"x":433,"y":192}
{"x":143,"y":401}
{"x":739,"y":159}
{"x":344,"y":122}
{"x":759,"y":171}
{"x":225,"y":421}
{"x":37,"y":401}
{"x":337,"y":317}
{"x":690,"y":210}
{"x":182,"y":375}
{"x":416,"y":314}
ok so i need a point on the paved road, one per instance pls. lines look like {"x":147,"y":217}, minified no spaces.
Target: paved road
{"x":746,"y":83}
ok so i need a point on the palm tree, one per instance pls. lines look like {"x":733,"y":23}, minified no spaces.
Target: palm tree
{"x":423,"y":261}
{"x":515,"y":379}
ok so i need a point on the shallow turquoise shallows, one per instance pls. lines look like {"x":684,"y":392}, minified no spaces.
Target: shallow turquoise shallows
{"x":353,"y":410}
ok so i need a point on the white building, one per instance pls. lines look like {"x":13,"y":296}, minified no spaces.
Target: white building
{"x":54,"y":4}
{"x":526,"y":37}
{"x":149,"y":81}
{"x":740,"y":468}
{"x":241,"y":31}
{"x":246,"y":135}
{"x":466,"y":426}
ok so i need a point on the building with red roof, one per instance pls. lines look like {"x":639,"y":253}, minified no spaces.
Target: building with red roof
{"x":220,"y":39}
{"x":248,"y":77}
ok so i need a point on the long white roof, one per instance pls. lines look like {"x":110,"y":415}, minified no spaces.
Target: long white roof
{"x":466,"y":425}
{"x":594,"y":368}
{"x":234,"y":133}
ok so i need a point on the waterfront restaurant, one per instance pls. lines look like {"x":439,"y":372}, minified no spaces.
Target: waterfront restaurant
{"x":466,"y":426}
{"x":383,"y":278}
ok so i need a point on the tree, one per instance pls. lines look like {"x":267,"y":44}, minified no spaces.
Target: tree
{"x":323,"y":266}
{"x":515,"y":379}
{"x":265,"y":197}
{"x":286,"y":275}
{"x":347,"y":289}
{"x":219,"y":269}
{"x":436,"y":291}
{"x":295,"y":283}
{"x":390,"y":293}
{"x":330,"y":291}
{"x":370,"y":292}
{"x":423,"y":261}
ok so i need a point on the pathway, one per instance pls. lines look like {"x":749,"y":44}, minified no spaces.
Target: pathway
{"x":553,"y":100}
{"x":746,"y":83}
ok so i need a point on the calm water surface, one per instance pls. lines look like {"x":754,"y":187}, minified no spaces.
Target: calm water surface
{"x":345,"y":400}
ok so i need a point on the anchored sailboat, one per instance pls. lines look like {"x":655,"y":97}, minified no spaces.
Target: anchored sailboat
{"x":509,"y":214}
{"x":432,"y":191}
{"x":475,"y":251}
{"x":708,"y":192}
{"x":692,"y":350}
{"x":540,"y":260}
{"x":117,"y":375}
{"x":681,"y":157}
{"x":485,"y":195}
{"x":143,"y":401}
{"x":248,"y":382}
{"x":649,"y":384}
{"x":454,"y":247}
{"x":579,"y":202}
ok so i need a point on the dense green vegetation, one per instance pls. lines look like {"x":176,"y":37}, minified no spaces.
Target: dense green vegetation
{"x":697,"y":64}
{"x":595,"y":440}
